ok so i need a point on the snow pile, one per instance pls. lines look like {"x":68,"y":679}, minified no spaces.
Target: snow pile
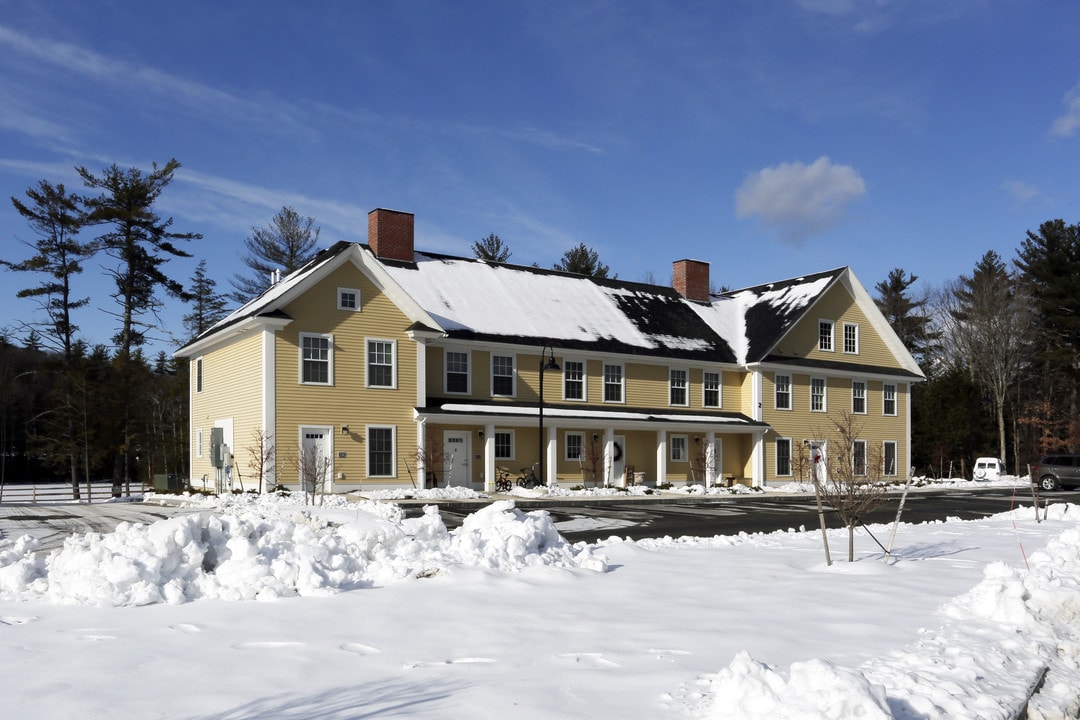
{"x":252,"y":549}
{"x":1003,"y":634}
{"x":445,"y":493}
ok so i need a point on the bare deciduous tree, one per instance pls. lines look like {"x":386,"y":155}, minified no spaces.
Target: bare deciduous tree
{"x":261,"y":456}
{"x":852,"y":484}
{"x":988,"y":324}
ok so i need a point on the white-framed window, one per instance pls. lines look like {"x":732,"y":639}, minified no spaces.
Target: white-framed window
{"x":316,"y":359}
{"x":678,"y":391}
{"x":381,"y":363}
{"x":456,"y":363}
{"x":817,"y":395}
{"x":783,"y":456}
{"x":888,"y":455}
{"x":677,"y":448}
{"x":851,"y":338}
{"x":504,"y":444}
{"x":574,"y":446}
{"x":198,"y":375}
{"x":381,"y":450}
{"x":858,"y":397}
{"x":198,"y":443}
{"x":574,"y":380}
{"x":613,"y":382}
{"x":888,"y":399}
{"x":348,"y":299}
{"x":711,"y":396}
{"x":825,"y":335}
{"x":858,"y":458}
{"x":783,"y":392}
{"x":502,"y":376}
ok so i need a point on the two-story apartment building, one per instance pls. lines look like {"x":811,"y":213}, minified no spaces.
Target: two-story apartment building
{"x":393,"y":365}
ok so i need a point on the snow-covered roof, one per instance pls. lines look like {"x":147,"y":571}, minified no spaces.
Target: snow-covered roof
{"x":472,"y":299}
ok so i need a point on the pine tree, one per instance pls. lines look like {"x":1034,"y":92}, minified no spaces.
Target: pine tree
{"x":287,"y":243}
{"x":906,"y":315}
{"x":492,"y":249}
{"x":138,"y":239}
{"x":583,"y":260}
{"x":56,"y":218}
{"x":207,"y":305}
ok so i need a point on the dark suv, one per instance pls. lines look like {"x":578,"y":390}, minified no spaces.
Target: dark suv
{"x":1054,"y":471}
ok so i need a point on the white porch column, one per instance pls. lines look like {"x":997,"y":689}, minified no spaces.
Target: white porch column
{"x":551,"y":456}
{"x":609,"y":454}
{"x":269,"y":404}
{"x":710,"y":459}
{"x":489,"y":457}
{"x":661,"y":457}
{"x":757,"y":459}
{"x":421,"y":451}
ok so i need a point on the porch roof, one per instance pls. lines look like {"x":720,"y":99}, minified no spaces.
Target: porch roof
{"x":588,"y":415}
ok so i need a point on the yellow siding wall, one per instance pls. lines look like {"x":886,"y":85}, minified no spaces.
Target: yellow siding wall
{"x":347,"y":401}
{"x":232,"y":388}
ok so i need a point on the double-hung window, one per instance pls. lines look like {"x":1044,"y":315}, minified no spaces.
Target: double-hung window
{"x":502,"y":375}
{"x":504,"y":444}
{"x":613,"y":382}
{"x":380,"y":446}
{"x":316,"y":359}
{"x":817,"y":395}
{"x":858,"y":458}
{"x":710,"y":389}
{"x":678,"y":448}
{"x":888,"y":454}
{"x":858,"y":397}
{"x":825,"y":335}
{"x":457,"y":372}
{"x":888,"y":399}
{"x":783,"y":456}
{"x":381,"y":362}
{"x":851,"y":338}
{"x":573,"y":380}
{"x":783,"y":392}
{"x":574,"y":446}
{"x":677,"y":384}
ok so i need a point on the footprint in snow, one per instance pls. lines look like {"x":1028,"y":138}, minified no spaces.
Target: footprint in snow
{"x":592,"y":660}
{"x":97,"y":638}
{"x":669,"y":655}
{"x":16,"y":620}
{"x":457,"y":661}
{"x":186,"y":628}
{"x":268,"y":644}
{"x":360,"y":649}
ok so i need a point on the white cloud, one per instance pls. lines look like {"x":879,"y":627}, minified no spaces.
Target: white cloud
{"x":1021,"y":190}
{"x":798,"y":200}
{"x":1066,"y":124}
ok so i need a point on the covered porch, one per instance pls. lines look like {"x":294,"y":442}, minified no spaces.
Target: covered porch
{"x":471,"y":444}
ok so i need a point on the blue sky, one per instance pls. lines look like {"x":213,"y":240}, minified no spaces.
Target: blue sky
{"x":771,"y":138}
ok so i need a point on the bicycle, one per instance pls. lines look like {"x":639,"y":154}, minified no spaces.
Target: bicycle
{"x":502,"y":482}
{"x":528,"y":478}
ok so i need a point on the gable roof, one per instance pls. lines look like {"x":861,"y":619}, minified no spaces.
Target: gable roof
{"x":473,"y":299}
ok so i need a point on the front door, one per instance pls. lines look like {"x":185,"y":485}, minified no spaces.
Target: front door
{"x":316,"y":466}
{"x":618,"y":459}
{"x":456,"y":449}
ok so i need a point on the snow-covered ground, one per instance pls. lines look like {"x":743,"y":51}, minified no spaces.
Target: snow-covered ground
{"x":256,"y":607}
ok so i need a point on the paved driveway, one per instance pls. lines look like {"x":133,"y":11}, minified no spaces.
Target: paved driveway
{"x":52,"y":523}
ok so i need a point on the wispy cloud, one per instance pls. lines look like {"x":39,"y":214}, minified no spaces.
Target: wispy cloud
{"x":798,"y":200}
{"x":1021,"y":190}
{"x":202,"y":98}
{"x":1069,"y":121}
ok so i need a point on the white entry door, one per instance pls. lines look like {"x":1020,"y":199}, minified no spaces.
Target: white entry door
{"x":316,"y":465}
{"x":456,"y":451}
{"x":618,"y":459}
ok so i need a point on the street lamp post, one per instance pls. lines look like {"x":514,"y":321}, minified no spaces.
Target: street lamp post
{"x":549,"y":365}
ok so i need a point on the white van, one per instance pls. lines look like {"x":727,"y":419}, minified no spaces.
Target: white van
{"x":988,"y":468}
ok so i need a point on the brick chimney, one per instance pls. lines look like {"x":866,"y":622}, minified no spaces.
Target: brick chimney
{"x":691,"y":279}
{"x":390,"y":234}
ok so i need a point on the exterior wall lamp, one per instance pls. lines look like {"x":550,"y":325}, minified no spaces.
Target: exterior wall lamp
{"x":544,"y":366}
